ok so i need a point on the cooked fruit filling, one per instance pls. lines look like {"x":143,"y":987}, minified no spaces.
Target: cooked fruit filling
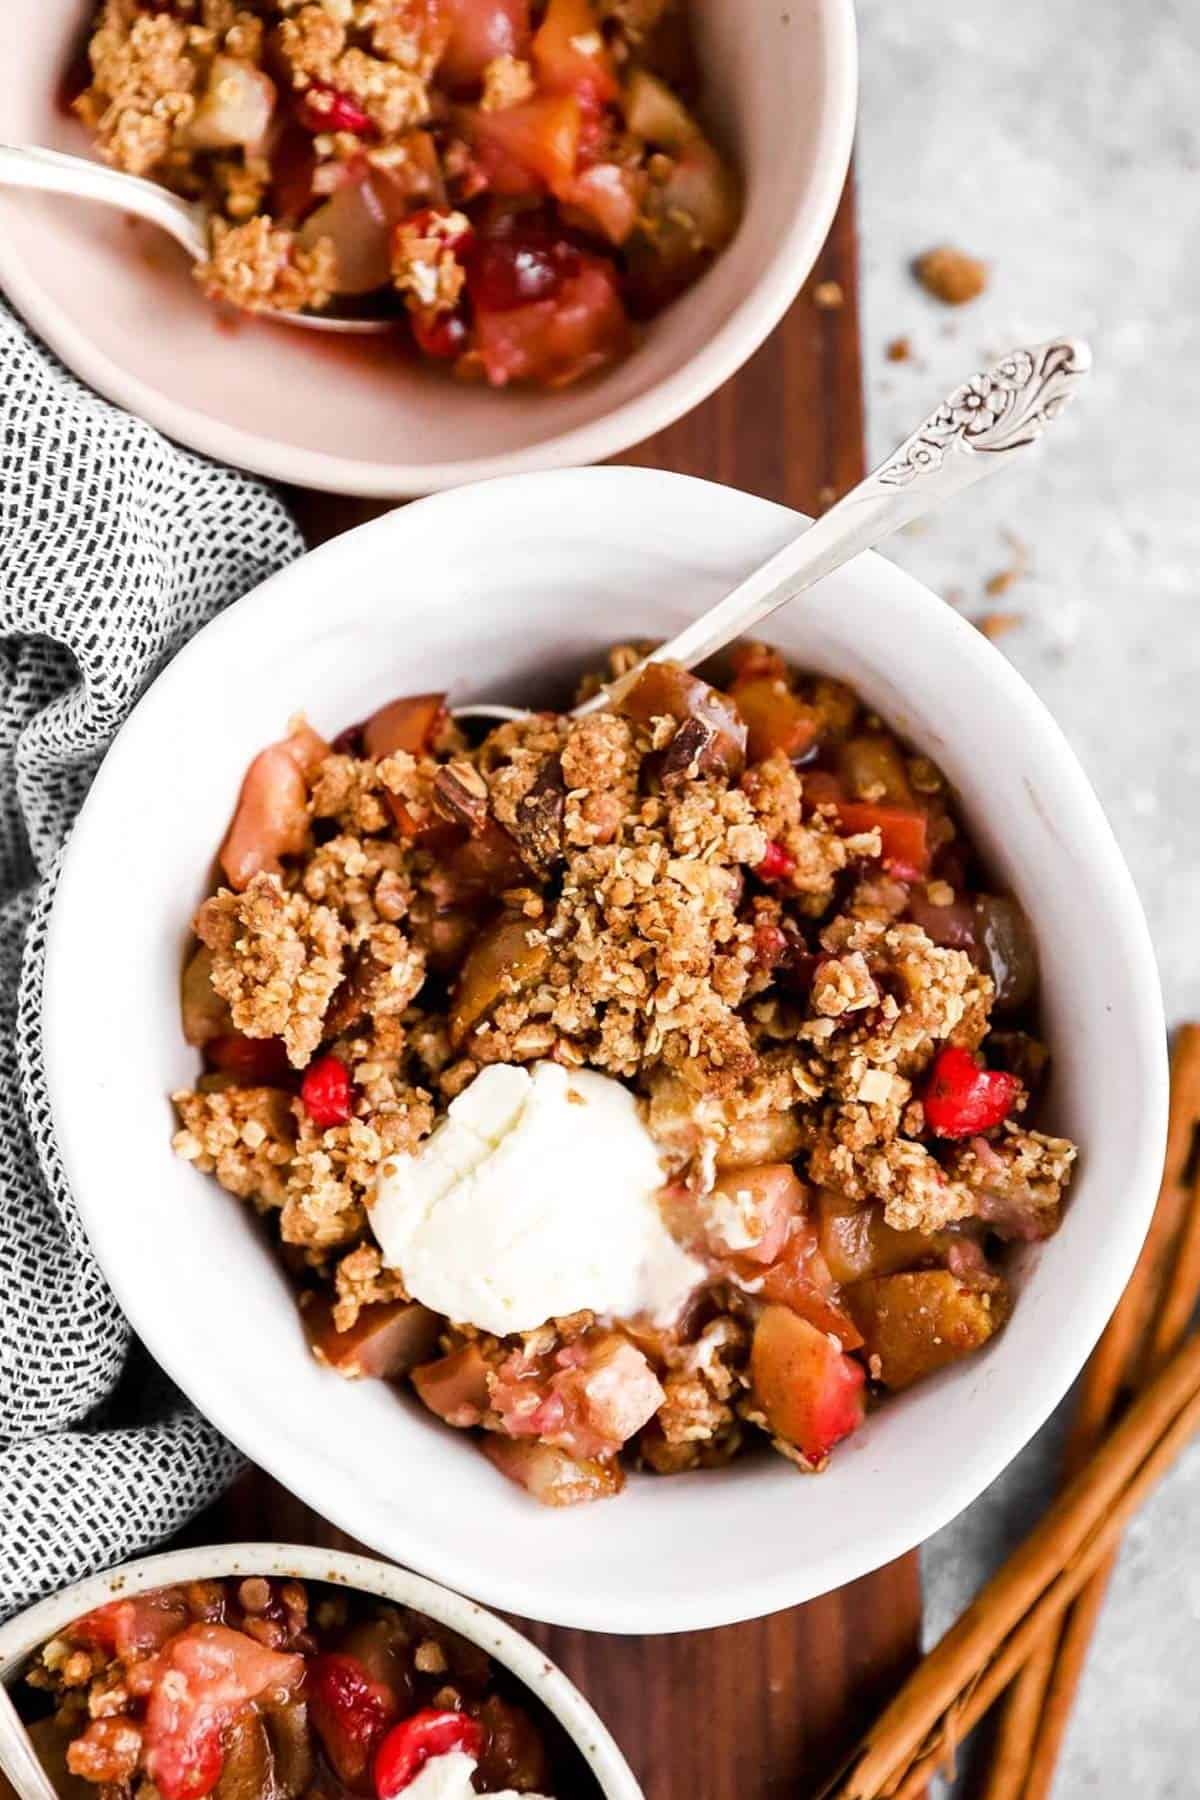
{"x":266,"y":1689}
{"x":633,"y":1087}
{"x":515,"y":182}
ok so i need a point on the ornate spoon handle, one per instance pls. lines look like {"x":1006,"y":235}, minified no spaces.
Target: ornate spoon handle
{"x":981,"y":427}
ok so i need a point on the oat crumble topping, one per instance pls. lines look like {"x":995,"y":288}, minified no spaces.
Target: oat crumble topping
{"x":784,"y":958}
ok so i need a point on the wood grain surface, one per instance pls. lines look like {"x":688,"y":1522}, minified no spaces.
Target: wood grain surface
{"x":762,"y":1710}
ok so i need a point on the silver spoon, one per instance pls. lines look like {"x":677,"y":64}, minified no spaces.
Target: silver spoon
{"x":18,"y":1758}
{"x":52,"y":172}
{"x":981,"y":427}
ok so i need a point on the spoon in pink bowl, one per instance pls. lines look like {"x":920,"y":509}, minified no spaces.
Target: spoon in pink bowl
{"x":53,"y":172}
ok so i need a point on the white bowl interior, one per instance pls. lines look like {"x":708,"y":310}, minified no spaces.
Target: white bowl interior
{"x":29,"y":1630}
{"x":500,"y":591}
{"x":118,"y":303}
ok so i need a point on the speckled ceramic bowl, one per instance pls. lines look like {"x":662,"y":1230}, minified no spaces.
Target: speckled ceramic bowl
{"x":548,"y":1685}
{"x":120,"y":307}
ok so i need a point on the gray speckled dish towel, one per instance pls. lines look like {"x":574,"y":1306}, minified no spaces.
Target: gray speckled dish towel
{"x":115,"y":546}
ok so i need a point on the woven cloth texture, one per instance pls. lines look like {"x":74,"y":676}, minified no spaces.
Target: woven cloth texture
{"x":115,"y":547}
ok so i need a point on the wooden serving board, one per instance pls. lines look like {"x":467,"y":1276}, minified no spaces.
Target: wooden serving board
{"x":762,"y":1710}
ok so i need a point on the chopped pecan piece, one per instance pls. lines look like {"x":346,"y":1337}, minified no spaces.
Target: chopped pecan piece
{"x":690,"y":751}
{"x":538,"y":826}
{"x":460,"y":795}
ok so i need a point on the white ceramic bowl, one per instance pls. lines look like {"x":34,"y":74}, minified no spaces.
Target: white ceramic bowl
{"x":500,"y":591}
{"x":25,"y":1633}
{"x":120,"y":306}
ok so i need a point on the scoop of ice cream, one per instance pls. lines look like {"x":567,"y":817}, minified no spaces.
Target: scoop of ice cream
{"x":535,"y":1197}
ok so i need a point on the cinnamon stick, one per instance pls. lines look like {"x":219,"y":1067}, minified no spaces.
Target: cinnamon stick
{"x":911,"y":1781}
{"x":1176,"y":1308}
{"x":1038,"y":1708}
{"x":1055,"y":1559}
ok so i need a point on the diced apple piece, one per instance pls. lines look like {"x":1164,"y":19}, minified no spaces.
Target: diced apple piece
{"x":857,"y":1242}
{"x":654,"y":113}
{"x":613,"y":1393}
{"x":405,"y":724}
{"x":608,"y":196}
{"x":455,"y":1387}
{"x":746,"y":1214}
{"x":271,"y":818}
{"x":358,"y":220}
{"x":799,"y":1279}
{"x":506,"y":957}
{"x":551,"y":1476}
{"x":917,"y":1323}
{"x":386,"y":1340}
{"x":772,"y":1137}
{"x":810,"y":1391}
{"x":235,"y":108}
{"x":873,"y":769}
{"x":205,"y":1015}
{"x":699,"y":198}
{"x":776,"y":719}
{"x":664,"y":690}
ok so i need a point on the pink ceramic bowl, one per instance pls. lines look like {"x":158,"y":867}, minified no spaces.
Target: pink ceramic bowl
{"x":118,"y":304}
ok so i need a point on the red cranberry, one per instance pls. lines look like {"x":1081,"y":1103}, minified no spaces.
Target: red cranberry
{"x":441,"y":334}
{"x":327,"y":1092}
{"x":520,"y":263}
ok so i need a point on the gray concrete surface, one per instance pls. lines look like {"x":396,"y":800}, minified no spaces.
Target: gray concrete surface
{"x":1060,"y":141}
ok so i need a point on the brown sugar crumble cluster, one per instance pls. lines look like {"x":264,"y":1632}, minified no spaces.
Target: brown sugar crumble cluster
{"x":514,"y":182}
{"x":753,"y":906}
{"x":260,"y":1688}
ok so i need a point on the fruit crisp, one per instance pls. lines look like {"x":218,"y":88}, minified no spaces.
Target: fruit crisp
{"x":515,"y":183}
{"x":267,"y":1689}
{"x":741,"y":930}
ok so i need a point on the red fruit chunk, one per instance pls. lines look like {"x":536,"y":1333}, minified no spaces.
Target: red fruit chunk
{"x":133,"y":1628}
{"x":963,"y":1097}
{"x":350,"y":1713}
{"x":326,"y":108}
{"x":776,"y":864}
{"x":571,"y":57}
{"x":253,"y":1062}
{"x":204,"y":1678}
{"x":811,"y":1392}
{"x":902,"y":834}
{"x":327,"y":1092}
{"x":554,"y":342}
{"x":526,"y":148}
{"x":441,"y":335}
{"x":408,"y":1747}
{"x":526,"y":262}
{"x":481,"y":30}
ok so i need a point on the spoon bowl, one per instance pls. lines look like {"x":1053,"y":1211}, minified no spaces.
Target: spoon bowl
{"x":30,"y":166}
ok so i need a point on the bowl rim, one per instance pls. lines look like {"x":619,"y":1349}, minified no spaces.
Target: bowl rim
{"x":751,"y":321}
{"x":561,"y":493}
{"x":37,"y":1624}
